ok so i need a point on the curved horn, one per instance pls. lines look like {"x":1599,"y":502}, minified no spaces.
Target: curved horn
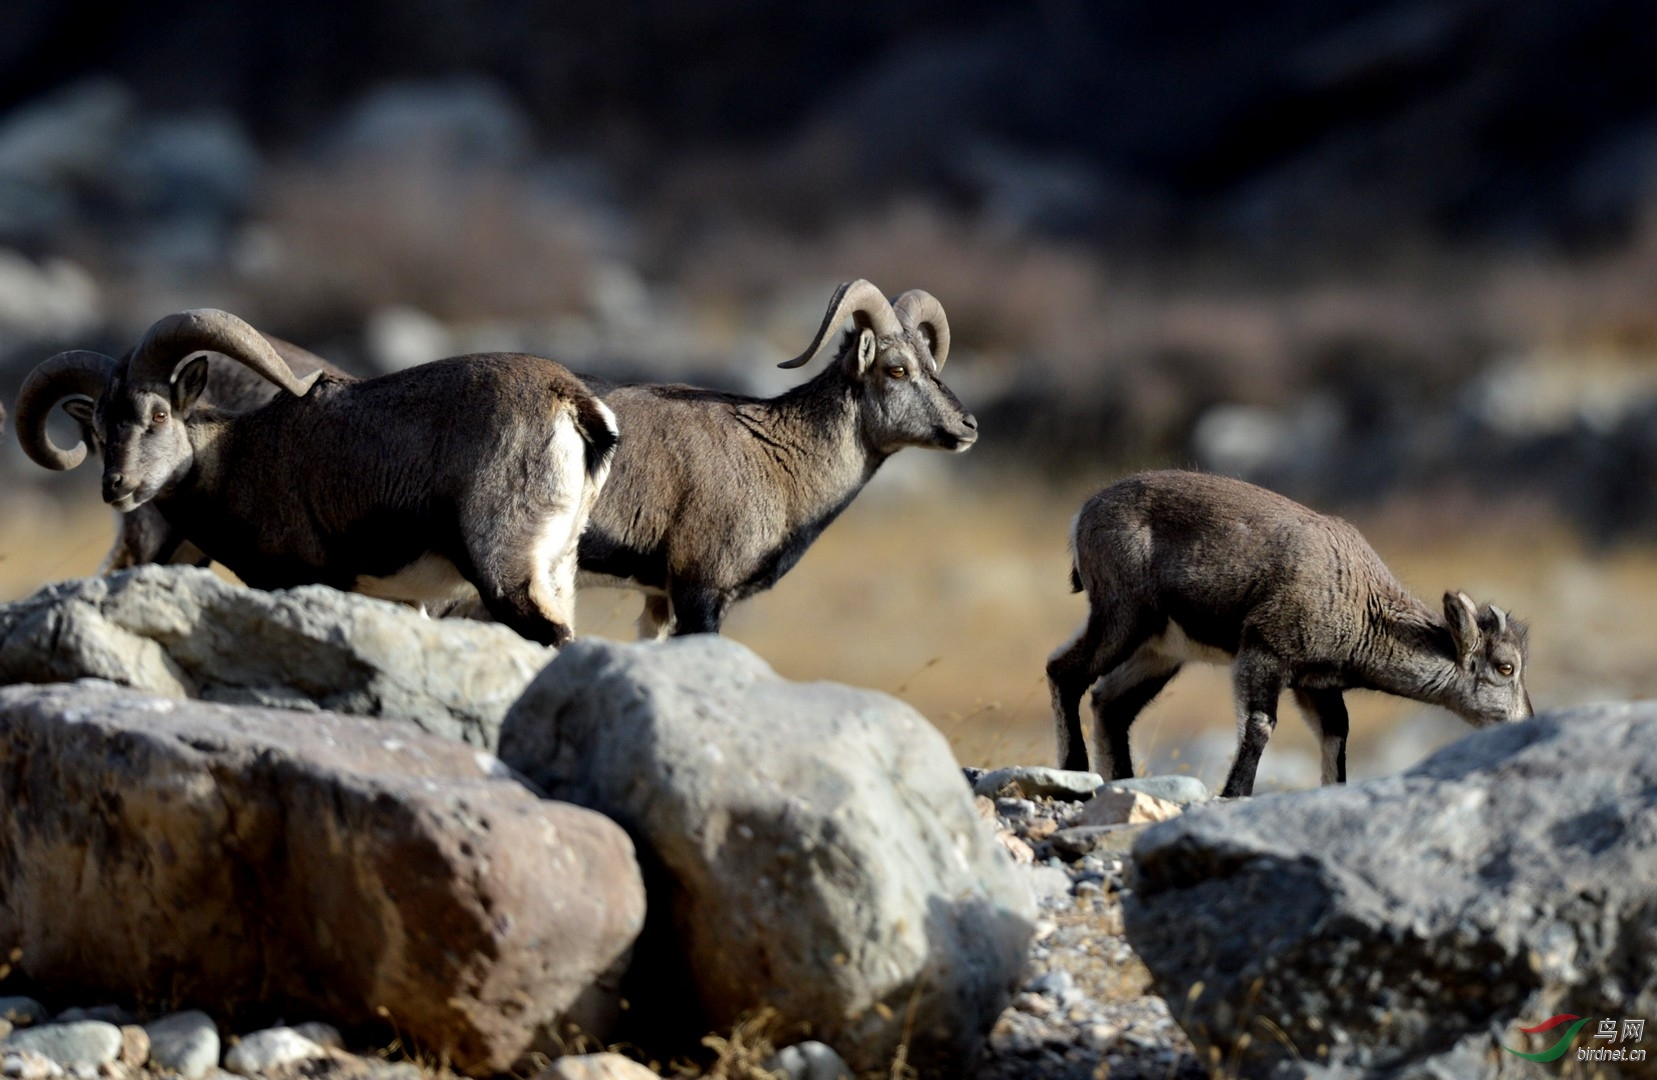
{"x":77,"y":373}
{"x":177,"y":336}
{"x":857,"y":298}
{"x":918,"y":308}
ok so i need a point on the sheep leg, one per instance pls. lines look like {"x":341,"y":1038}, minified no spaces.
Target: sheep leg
{"x":697,"y":609}
{"x":1103,"y":644}
{"x":524,"y":572}
{"x":1068,"y":673}
{"x":656,"y":620}
{"x":1118,"y":699}
{"x":1325,"y":713}
{"x":1258,"y":682}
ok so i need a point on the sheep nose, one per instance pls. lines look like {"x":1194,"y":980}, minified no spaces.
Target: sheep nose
{"x":115,"y":485}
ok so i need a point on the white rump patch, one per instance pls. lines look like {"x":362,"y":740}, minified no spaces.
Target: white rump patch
{"x":603,"y":472}
{"x":553,"y":585}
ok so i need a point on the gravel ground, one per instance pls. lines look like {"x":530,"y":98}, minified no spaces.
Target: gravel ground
{"x":1086,"y":1008}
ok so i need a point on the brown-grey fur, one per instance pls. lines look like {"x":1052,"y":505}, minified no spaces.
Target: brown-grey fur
{"x":144,"y":535}
{"x":458,"y":460}
{"x":715,"y":496}
{"x":1297,"y":599}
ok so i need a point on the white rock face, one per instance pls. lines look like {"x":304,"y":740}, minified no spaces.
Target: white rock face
{"x":820,"y":851}
{"x":183,"y":632}
{"x":79,"y":1042}
{"x":270,"y":1049}
{"x":186,"y":1043}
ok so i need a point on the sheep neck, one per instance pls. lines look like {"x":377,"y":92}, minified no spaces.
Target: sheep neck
{"x":210,"y":441}
{"x":1409,"y":652}
{"x":815,"y":433}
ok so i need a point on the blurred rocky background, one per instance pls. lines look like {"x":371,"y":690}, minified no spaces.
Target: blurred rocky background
{"x":1396,"y":259}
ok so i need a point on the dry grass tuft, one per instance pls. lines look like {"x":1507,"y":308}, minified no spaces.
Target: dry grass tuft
{"x":742,"y":1054}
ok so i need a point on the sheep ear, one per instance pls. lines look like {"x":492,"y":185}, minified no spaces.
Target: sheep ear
{"x":1463,"y":616}
{"x":188,"y":384}
{"x":866,"y":349}
{"x":80,"y":409}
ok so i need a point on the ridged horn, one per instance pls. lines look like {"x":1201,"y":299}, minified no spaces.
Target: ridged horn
{"x":207,"y":329}
{"x":76,"y":373}
{"x":862,"y":301}
{"x":919,"y":308}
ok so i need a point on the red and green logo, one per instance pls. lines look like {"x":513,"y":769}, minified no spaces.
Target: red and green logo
{"x":1557,"y":1050}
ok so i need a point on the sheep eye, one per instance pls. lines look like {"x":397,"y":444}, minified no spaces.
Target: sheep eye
{"x":897,"y":372}
{"x":1504,"y":670}
{"x":159,"y":418}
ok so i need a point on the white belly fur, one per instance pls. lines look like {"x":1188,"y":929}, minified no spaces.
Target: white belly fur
{"x":431,"y":581}
{"x":1158,"y":656}
{"x":1175,"y":644}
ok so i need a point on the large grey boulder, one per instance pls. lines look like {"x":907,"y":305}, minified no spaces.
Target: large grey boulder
{"x":324,"y":865}
{"x":184,"y":632}
{"x":1408,"y":926}
{"x":816,"y":849}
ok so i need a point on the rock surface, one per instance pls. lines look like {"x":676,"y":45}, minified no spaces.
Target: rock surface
{"x":183,"y":632}
{"x":818,"y":851}
{"x":595,"y":1067}
{"x":332,"y":866}
{"x":135,"y":1046}
{"x":1174,"y":788}
{"x":186,"y":1043}
{"x":92,"y":1042}
{"x":809,"y":1060}
{"x":1409,"y":925}
{"x":266,"y":1051}
{"x":1033,"y":780}
{"x":1121,"y":806}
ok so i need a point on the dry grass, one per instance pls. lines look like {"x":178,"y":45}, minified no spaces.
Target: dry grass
{"x":950,"y":593}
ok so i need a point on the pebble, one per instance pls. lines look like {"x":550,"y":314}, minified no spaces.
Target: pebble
{"x":135,"y":1046}
{"x":28,"y":1065}
{"x":1116,"y":806}
{"x":262,"y":1051}
{"x":109,"y":1014}
{"x":91,"y":1041}
{"x":1037,"y":780}
{"x":1049,"y":881}
{"x":1017,"y":848}
{"x":1180,"y":790}
{"x":595,"y":1067}
{"x":1015,"y":809}
{"x":1088,"y":839}
{"x":1057,"y":984}
{"x":326,"y":1036}
{"x":395,"y":1070}
{"x":186,"y":1043}
{"x":23,"y":1011}
{"x":811,"y":1060}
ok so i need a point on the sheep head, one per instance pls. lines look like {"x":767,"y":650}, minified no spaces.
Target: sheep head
{"x":893,"y":357}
